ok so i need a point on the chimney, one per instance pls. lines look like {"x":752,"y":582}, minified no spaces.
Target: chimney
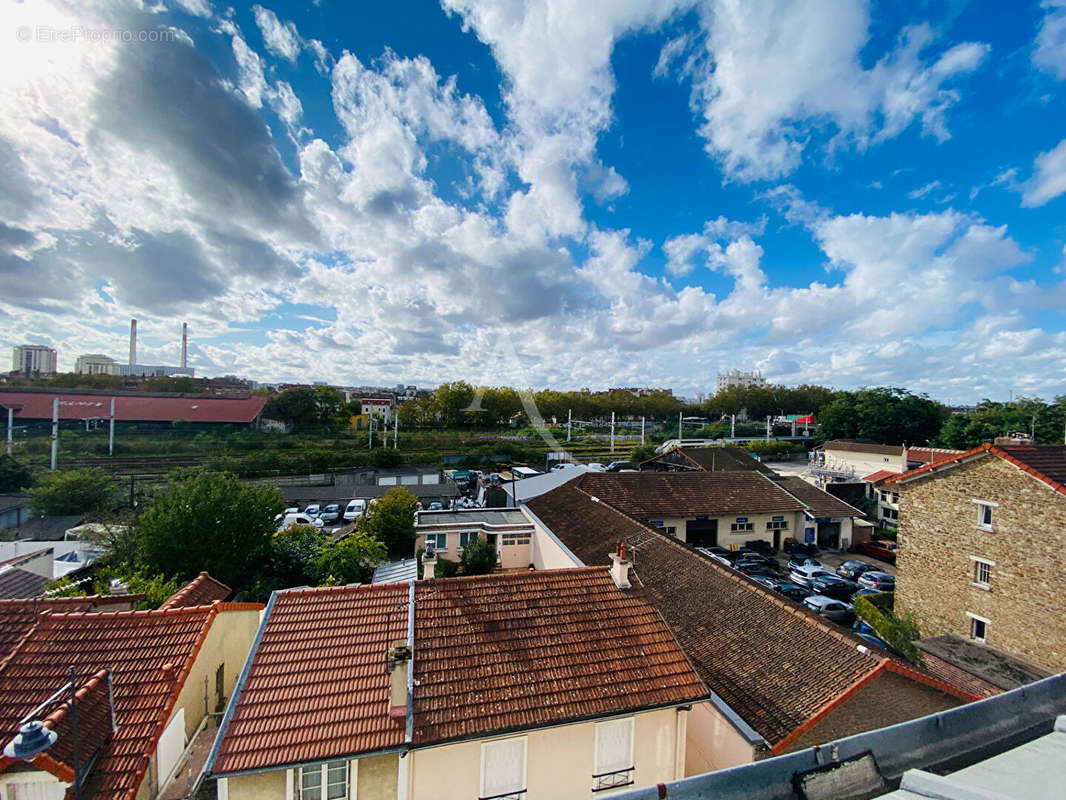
{"x":399,"y":661}
{"x":620,"y":567}
{"x":429,"y":562}
{"x":184,"y":344}
{"x":133,"y":342}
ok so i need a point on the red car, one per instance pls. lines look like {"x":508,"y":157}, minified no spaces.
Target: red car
{"x":883,"y":549}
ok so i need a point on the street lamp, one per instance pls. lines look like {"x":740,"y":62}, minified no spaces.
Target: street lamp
{"x":33,"y":738}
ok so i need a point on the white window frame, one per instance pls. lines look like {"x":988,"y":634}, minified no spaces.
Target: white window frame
{"x":974,"y":618}
{"x":597,"y":768}
{"x":982,"y":505}
{"x":468,"y":534}
{"x":435,"y":540}
{"x":977,"y":564}
{"x":293,"y":786}
{"x":525,"y":764}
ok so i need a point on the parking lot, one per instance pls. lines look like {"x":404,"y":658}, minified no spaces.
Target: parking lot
{"x":831,"y":559}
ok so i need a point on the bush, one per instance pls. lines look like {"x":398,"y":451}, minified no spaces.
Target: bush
{"x":351,"y":560}
{"x":901,"y":632}
{"x":642,"y":452}
{"x":889,"y":534}
{"x":478,"y":558}
{"x":13,"y":476}
{"x":445,"y":568}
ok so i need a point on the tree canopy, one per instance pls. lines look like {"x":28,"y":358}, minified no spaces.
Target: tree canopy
{"x":883,"y":415}
{"x":1045,"y":421}
{"x":208,"y":521}
{"x":13,"y":476}
{"x":78,"y":491}
{"x":308,"y":408}
{"x":391,"y":520}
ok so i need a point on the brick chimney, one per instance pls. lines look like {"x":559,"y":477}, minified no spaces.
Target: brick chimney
{"x":620,"y":567}
{"x":399,"y":661}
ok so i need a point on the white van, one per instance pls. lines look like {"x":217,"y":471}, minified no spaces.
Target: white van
{"x":356,"y":508}
{"x":284,"y":521}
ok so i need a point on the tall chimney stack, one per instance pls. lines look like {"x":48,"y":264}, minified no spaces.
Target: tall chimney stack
{"x":133,"y":342}
{"x":184,"y":344}
{"x":398,"y":662}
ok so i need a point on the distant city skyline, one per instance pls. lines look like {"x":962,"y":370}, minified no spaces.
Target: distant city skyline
{"x":542,"y":194}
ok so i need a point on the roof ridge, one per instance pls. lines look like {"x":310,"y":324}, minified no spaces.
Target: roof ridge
{"x":54,"y":618}
{"x":506,"y":576}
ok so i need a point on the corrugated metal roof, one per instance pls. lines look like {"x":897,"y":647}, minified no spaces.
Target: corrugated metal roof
{"x":396,"y":572}
{"x":135,"y":407}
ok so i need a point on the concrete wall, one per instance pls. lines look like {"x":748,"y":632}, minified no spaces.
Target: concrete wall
{"x":547,"y":553}
{"x":865,"y":463}
{"x":261,"y":786}
{"x":939,"y":537}
{"x":713,"y":743}
{"x":887,"y":700}
{"x":559,"y":761}
{"x":728,"y":539}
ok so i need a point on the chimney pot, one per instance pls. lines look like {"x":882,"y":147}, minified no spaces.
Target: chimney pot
{"x":620,"y":569}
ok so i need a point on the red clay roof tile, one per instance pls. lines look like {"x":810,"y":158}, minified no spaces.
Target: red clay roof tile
{"x":200,"y":591}
{"x":683,"y":494}
{"x":134,"y":407}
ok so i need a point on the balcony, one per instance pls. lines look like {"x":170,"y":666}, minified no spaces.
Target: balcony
{"x":612,"y":780}
{"x":519,"y":795}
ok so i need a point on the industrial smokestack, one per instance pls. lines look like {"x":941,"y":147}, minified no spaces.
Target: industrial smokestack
{"x":184,"y":344}
{"x":133,"y":342}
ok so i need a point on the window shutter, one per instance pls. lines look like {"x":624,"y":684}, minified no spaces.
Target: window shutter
{"x":614,"y":746}
{"x":503,"y":767}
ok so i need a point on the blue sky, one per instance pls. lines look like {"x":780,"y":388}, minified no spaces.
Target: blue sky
{"x":541,"y":194}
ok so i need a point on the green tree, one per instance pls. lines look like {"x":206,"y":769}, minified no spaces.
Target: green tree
{"x":883,"y":415}
{"x":478,"y":558}
{"x":293,"y":553}
{"x":351,"y":560}
{"x":642,"y":452}
{"x":209,"y":521}
{"x":308,"y":408}
{"x":453,"y":400}
{"x":391,"y":520}
{"x":78,"y":491}
{"x":13,"y":476}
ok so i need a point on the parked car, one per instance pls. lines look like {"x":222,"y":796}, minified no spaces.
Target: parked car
{"x":864,"y":592}
{"x":436,"y":507}
{"x":292,"y":510}
{"x":751,"y":569}
{"x":330,"y":513}
{"x":877,"y":641}
{"x":596,"y":466}
{"x":853,"y":568}
{"x":710,"y":551}
{"x":759,"y":546}
{"x":561,"y":467}
{"x":313,"y":510}
{"x":833,"y":586}
{"x":622,"y":466}
{"x":834,"y":610}
{"x":800,"y":560}
{"x":875,"y":579}
{"x":883,"y":549}
{"x":355,"y":508}
{"x":792,"y":546}
{"x":284,"y":521}
{"x":766,"y":580}
{"x":794,"y":591}
{"x":803,"y":575}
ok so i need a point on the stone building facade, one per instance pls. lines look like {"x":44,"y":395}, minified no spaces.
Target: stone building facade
{"x":982,"y":556}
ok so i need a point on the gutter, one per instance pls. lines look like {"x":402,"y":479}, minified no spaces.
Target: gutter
{"x":752,"y":736}
{"x":232,"y":707}
{"x":410,"y":726}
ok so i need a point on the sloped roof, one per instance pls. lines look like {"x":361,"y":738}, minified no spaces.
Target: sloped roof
{"x":715,"y":459}
{"x":18,"y":617}
{"x":317,"y":687}
{"x":396,"y":571}
{"x":135,"y":646}
{"x":525,"y":650}
{"x":684,"y":494}
{"x":774,"y":663}
{"x":200,"y":591}
{"x":931,"y":455}
{"x":491,"y":653}
{"x":820,"y":503}
{"x":880,"y":475}
{"x":16,"y":583}
{"x":1046,"y":463}
{"x":135,"y":406}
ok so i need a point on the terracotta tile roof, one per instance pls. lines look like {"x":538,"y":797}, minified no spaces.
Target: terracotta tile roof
{"x":1046,"y":463}
{"x":19,"y":617}
{"x":683,"y":494}
{"x":318,"y":687}
{"x":525,"y":650}
{"x":200,"y":591}
{"x":491,"y":653}
{"x":859,"y":446}
{"x":774,"y":663}
{"x":880,"y":475}
{"x":714,"y":459}
{"x":25,"y":557}
{"x":931,"y":455}
{"x":820,"y":503}
{"x":135,"y":646}
{"x":134,"y":407}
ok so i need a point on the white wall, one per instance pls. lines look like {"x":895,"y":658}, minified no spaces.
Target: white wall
{"x":713,"y":743}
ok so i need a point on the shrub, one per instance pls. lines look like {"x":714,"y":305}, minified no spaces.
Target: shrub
{"x":445,"y":568}
{"x":901,"y":632}
{"x":78,"y":491}
{"x":478,"y":558}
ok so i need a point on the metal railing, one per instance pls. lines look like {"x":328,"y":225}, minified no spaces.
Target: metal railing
{"x":612,"y":780}
{"x":519,"y":795}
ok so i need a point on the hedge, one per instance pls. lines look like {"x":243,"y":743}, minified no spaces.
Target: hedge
{"x":900,"y":632}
